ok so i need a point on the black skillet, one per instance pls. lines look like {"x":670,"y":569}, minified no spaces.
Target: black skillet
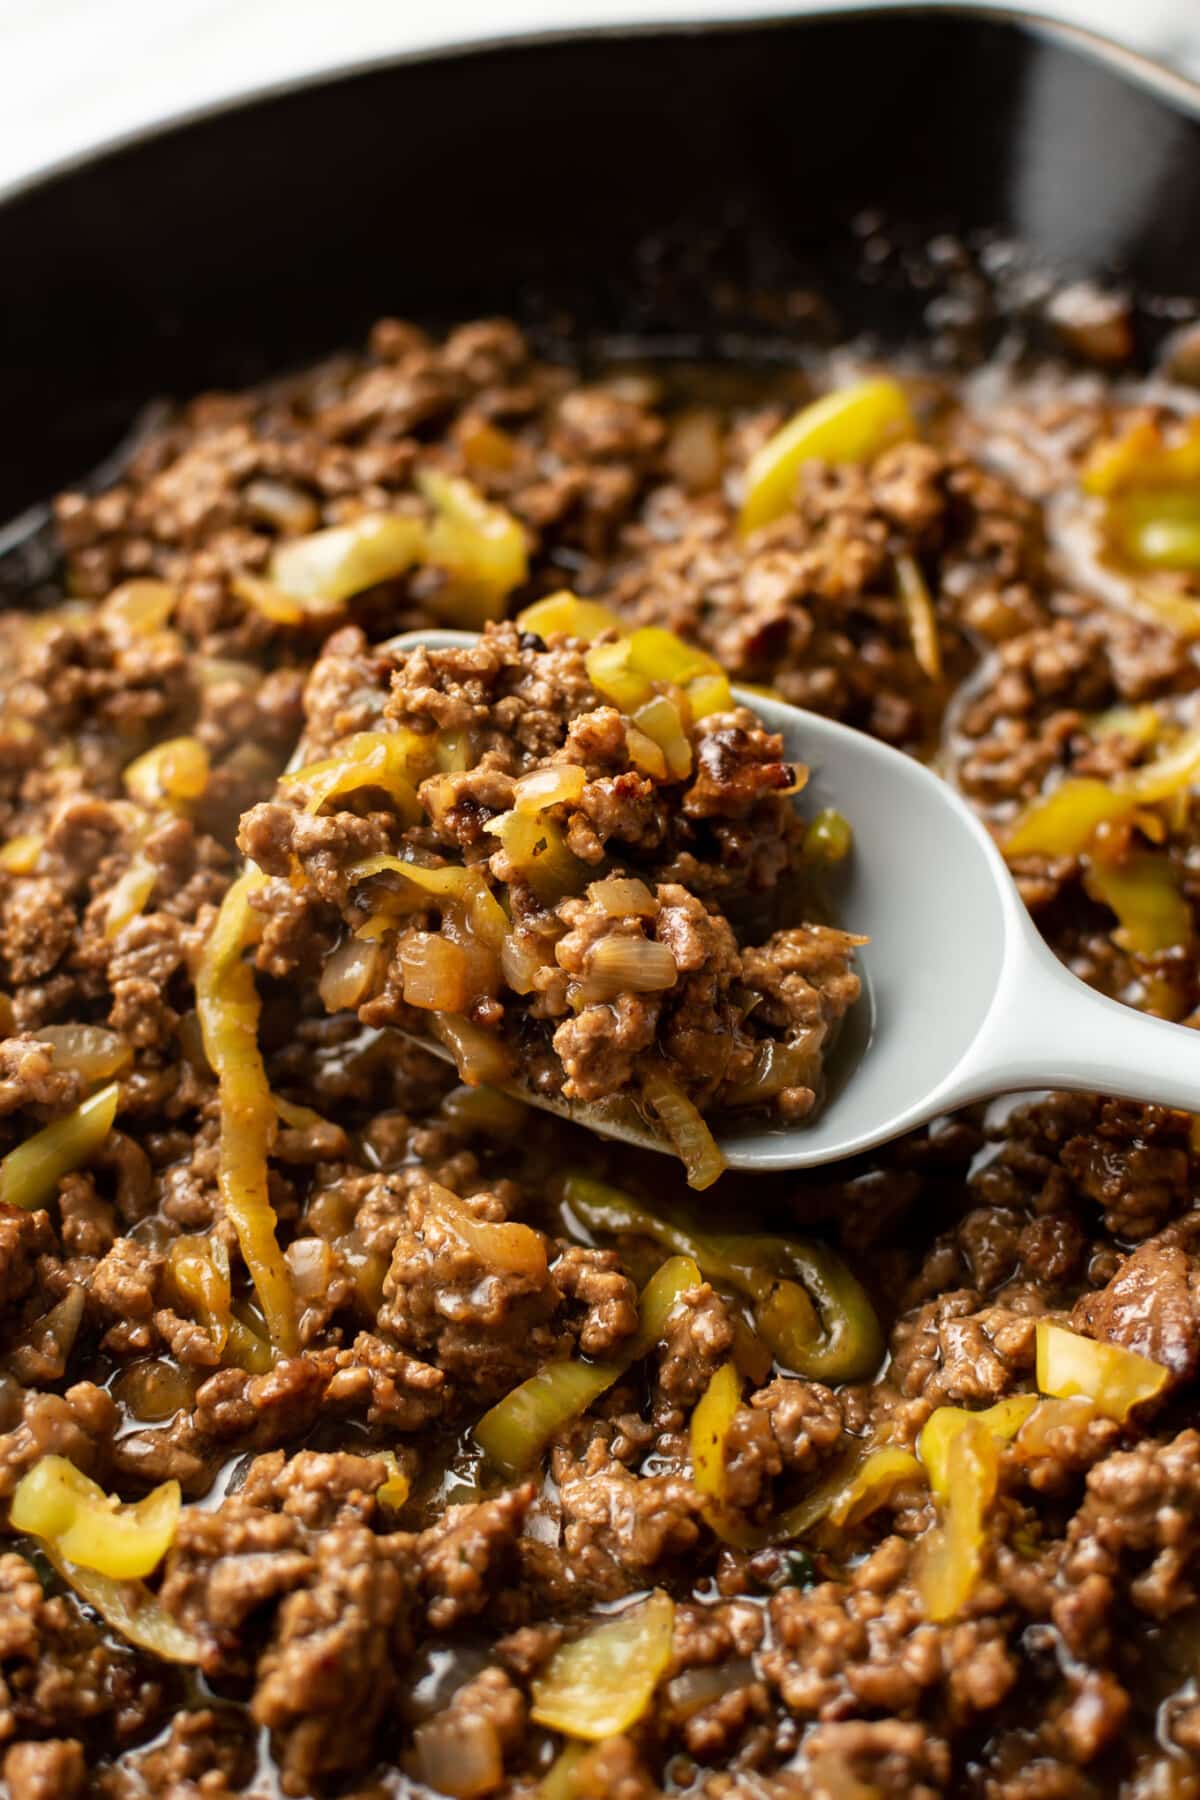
{"x":671,"y":181}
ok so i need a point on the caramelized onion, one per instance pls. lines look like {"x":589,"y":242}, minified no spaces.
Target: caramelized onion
{"x":629,"y":965}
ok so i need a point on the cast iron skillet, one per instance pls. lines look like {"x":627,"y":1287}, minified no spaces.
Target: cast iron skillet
{"x":649,"y":181}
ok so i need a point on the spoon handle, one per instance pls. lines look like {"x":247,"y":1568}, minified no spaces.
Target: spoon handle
{"x":1048,"y":1029}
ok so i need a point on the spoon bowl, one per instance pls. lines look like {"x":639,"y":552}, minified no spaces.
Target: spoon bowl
{"x":962,"y":1000}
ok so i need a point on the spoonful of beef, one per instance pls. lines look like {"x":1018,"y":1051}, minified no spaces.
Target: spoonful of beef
{"x":575,"y":863}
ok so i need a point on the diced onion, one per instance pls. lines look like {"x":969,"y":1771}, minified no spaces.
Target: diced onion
{"x":509,"y":1246}
{"x":556,"y":785}
{"x":92,"y":1051}
{"x":629,"y":965}
{"x":132,"y":1610}
{"x":599,"y":1685}
{"x":919,"y":616}
{"x":480,"y":1058}
{"x":693,"y":1141}
{"x":350,"y":974}
{"x":645,"y":755}
{"x":624,"y":896}
{"x":660,"y":721}
{"x":140,"y":607}
{"x":437,"y":974}
{"x":459,"y":1756}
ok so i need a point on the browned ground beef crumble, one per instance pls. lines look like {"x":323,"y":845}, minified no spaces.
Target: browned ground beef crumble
{"x":331,"y":1626}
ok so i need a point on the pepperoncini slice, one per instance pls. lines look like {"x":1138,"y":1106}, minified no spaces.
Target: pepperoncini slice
{"x":129,"y":894}
{"x":569,"y":616}
{"x":1143,"y":889}
{"x":394,"y":1492}
{"x":1159,"y":528}
{"x":538,"y":852}
{"x":917,"y":605}
{"x":174,"y":771}
{"x":30,"y":1173}
{"x":323,"y":570}
{"x":131,"y":1609}
{"x":1114,"y":1379}
{"x":611,"y":671}
{"x":659,"y":720}
{"x":852,"y":424}
{"x":1003,"y":1420}
{"x":664,"y":656}
{"x":54,"y":1501}
{"x":1143,"y":458}
{"x":809,"y":1309}
{"x":228,"y":1007}
{"x":711,"y":1420}
{"x":873,"y":1484}
{"x":21,"y":854}
{"x":1063,"y":822}
{"x":479,"y":547}
{"x":198,"y":1271}
{"x":514,"y":1432}
{"x":600,"y":1684}
{"x":369,"y":759}
{"x":948,"y":1558}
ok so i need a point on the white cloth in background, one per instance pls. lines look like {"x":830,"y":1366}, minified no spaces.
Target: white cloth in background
{"x":80,"y":72}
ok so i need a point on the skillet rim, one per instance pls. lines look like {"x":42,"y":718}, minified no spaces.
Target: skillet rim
{"x":1178,"y":92}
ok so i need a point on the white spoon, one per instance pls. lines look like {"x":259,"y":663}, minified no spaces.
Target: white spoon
{"x":961,"y":1000}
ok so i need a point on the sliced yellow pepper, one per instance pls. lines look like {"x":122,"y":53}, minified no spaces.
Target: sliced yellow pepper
{"x":917,"y":604}
{"x":873,"y":1485}
{"x":327,"y":568}
{"x":480,"y":547}
{"x":21,"y":855}
{"x":54,"y":1501}
{"x":1063,"y":822}
{"x":538,"y":852}
{"x":611,"y":671}
{"x":1142,"y":458}
{"x":131,"y":1609}
{"x":565,"y":614}
{"x":129,"y":894}
{"x":1114,"y":1379}
{"x":852,"y":424}
{"x":1003,"y":1420}
{"x":1143,"y":889}
{"x":517,"y":1429}
{"x":948,"y":1558}
{"x":369,"y":759}
{"x":175,"y":771}
{"x":228,"y":1006}
{"x":30,"y":1174}
{"x":711,"y":1419}
{"x":836,"y":1339}
{"x":600,"y":1684}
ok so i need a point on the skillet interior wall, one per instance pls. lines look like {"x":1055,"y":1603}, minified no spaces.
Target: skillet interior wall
{"x":638,"y":180}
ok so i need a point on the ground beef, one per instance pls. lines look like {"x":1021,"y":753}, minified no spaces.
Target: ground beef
{"x":357,"y":1581}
